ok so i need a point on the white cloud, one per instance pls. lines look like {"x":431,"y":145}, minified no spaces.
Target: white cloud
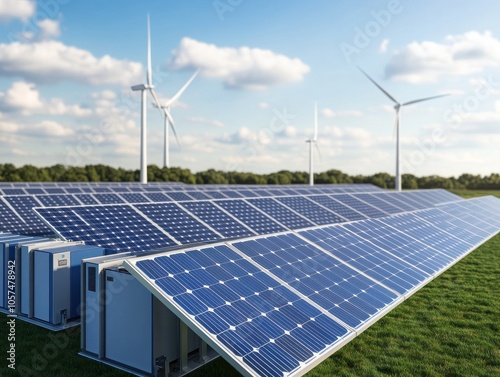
{"x":24,"y":98}
{"x":49,"y":128}
{"x":458,"y":55}
{"x":383,"y":46}
{"x":53,"y":61}
{"x":264,"y":105}
{"x":329,"y":113}
{"x":8,"y":127}
{"x":200,"y":120}
{"x":16,"y":9}
{"x":49,"y":28}
{"x":239,"y":68}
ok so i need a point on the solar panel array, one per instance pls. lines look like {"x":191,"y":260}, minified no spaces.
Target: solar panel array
{"x":19,"y":198}
{"x":190,"y":221}
{"x":279,"y":304}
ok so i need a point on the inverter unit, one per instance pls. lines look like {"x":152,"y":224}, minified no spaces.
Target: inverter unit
{"x":56,"y":277}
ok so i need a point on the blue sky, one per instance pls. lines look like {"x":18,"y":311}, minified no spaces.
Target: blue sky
{"x":66,"y":68}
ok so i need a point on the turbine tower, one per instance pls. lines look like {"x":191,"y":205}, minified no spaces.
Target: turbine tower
{"x":397,"y":106}
{"x":144,"y":88}
{"x":311,"y":142}
{"x":168,"y":119}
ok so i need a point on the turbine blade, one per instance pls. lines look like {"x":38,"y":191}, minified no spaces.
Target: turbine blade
{"x":319,"y":152}
{"x":315,"y":121}
{"x":172,"y":124}
{"x":149,"y":71}
{"x":424,"y":99}
{"x":179,"y":93}
{"x":158,"y":106}
{"x":378,"y":86}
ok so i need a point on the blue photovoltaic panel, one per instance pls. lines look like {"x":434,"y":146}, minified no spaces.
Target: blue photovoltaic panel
{"x":282,"y":214}
{"x":134,"y":198}
{"x":86,"y":199}
{"x":465,"y":230}
{"x":373,"y":261}
{"x":57,"y":200}
{"x":217,"y":219}
{"x":112,"y":227}
{"x":24,"y":205}
{"x":337,"y":207}
{"x":10,"y":222}
{"x":311,"y":210}
{"x":288,"y":191}
{"x":400,"y":244}
{"x":342,"y":291}
{"x":74,"y":190}
{"x":261,"y":192}
{"x":18,"y":191}
{"x":442,"y":196}
{"x":35,"y":191}
{"x":418,"y":197}
{"x":247,"y":193}
{"x":216,"y":194}
{"x":157,"y":197}
{"x":276,"y":192}
{"x":178,"y":196}
{"x":249,"y":315}
{"x":231,"y":194}
{"x":396,"y":199}
{"x":102,"y":189}
{"x":473,"y":215}
{"x":373,"y":200}
{"x":177,"y":222}
{"x":54,"y":190}
{"x":358,"y":205}
{"x":197,"y":195}
{"x":108,"y":198}
{"x":429,"y":235}
{"x":250,"y":216}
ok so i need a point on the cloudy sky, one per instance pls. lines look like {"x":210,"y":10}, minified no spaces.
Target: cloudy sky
{"x":66,"y":68}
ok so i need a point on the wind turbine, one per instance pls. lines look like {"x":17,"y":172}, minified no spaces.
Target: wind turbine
{"x":398,"y":105}
{"x":168,"y":119}
{"x":144,"y":88}
{"x":311,"y":142}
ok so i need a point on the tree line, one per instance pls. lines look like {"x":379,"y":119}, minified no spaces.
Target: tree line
{"x":103,"y":173}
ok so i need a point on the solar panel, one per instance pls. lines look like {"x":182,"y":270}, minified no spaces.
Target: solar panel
{"x":198,"y":195}
{"x":217,"y":219}
{"x":23,"y":205}
{"x":358,"y":205}
{"x":54,"y":190}
{"x":86,"y":199}
{"x":363,"y":255}
{"x":108,"y":198}
{"x":313,"y":211}
{"x":57,"y":200}
{"x":231,"y":193}
{"x":345,"y":293}
{"x":179,"y":196}
{"x":16,"y":191}
{"x":251,"y":216}
{"x":396,"y":199}
{"x":216,"y":194}
{"x":245,"y":314}
{"x":281,"y":213}
{"x":113,"y":227}
{"x":379,"y":203}
{"x":401,"y":245}
{"x":157,"y":197}
{"x":337,"y":207}
{"x":35,"y":191}
{"x":177,"y":222}
{"x":135,"y":198}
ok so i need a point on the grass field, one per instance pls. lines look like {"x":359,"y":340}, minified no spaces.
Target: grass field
{"x":451,"y":327}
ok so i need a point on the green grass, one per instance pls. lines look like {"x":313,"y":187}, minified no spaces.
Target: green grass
{"x":451,"y":327}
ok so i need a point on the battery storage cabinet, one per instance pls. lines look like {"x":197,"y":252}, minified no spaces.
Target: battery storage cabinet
{"x":56,"y":283}
{"x":126,"y":326}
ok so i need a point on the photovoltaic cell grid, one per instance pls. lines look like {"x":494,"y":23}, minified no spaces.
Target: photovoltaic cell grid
{"x":254,"y":216}
{"x":349,"y":273}
{"x":314,"y":212}
{"x":244,"y":311}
